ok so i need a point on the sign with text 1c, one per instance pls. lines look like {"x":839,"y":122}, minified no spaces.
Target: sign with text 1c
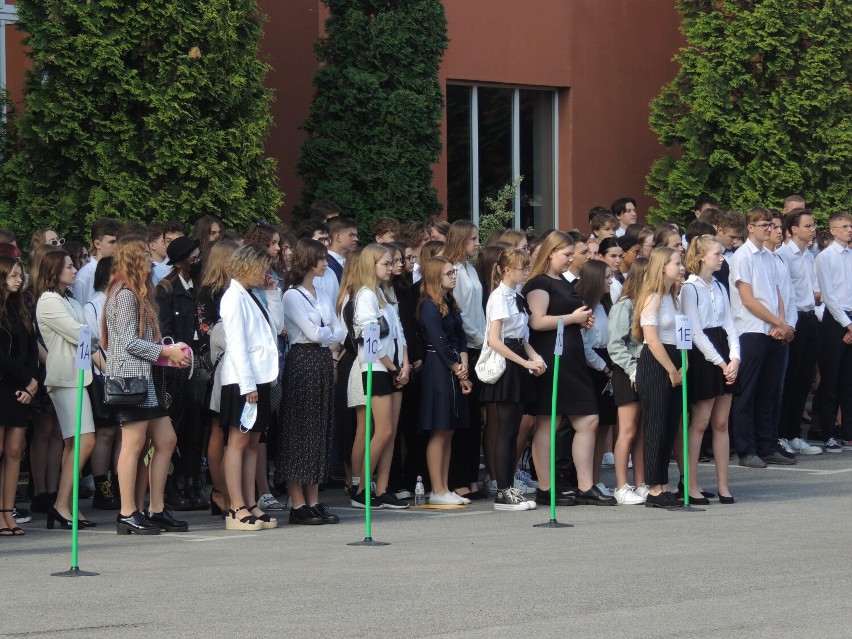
{"x":83,"y":359}
{"x":371,"y":342}
{"x":683,"y":332}
{"x":560,"y":331}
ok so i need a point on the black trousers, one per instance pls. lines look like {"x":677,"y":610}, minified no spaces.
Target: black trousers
{"x":189,"y":428}
{"x":757,"y":395}
{"x":467,"y":442}
{"x":835,"y":386}
{"x":801,"y":366}
{"x":661,"y":409}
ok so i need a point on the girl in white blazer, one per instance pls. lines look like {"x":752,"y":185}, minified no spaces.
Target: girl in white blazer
{"x":249,"y":367}
{"x":374,"y":303}
{"x":60,"y":318}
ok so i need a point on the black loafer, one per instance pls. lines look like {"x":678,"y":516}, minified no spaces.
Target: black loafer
{"x":778,"y":459}
{"x":665,"y":500}
{"x":563,"y":498}
{"x":321,"y":510}
{"x":166,"y":521}
{"x":594,"y":497}
{"x":305,"y":516}
{"x":135,"y":524}
{"x":698,"y":501}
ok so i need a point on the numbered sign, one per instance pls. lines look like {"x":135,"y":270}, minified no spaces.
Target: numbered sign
{"x":84,"y":349}
{"x":683,"y":330}
{"x":371,"y":343}
{"x":560,"y":331}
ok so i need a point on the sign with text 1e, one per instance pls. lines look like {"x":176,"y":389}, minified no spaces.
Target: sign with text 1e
{"x":83,"y":359}
{"x":560,"y":332}
{"x":683,"y":332}
{"x":371,"y":343}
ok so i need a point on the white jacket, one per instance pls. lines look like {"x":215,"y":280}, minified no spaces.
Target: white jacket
{"x":251,"y":348}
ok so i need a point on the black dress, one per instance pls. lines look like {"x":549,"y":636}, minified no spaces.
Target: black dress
{"x":576,"y":393}
{"x":442,"y":405}
{"x":18,"y":365}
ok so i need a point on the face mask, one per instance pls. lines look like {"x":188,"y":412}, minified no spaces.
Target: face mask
{"x":195,"y":270}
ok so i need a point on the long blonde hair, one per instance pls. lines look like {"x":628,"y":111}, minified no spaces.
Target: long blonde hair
{"x":215,"y":271}
{"x":555,"y":241}
{"x":349,"y":279}
{"x":365,"y":275}
{"x":653,"y":284}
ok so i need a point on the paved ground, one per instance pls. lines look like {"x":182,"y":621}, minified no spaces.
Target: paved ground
{"x":776,"y":564}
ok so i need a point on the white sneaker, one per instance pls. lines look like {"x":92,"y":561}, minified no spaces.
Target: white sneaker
{"x":402,"y":494}
{"x":524,"y":488}
{"x":642,"y":491}
{"x":627,"y":497}
{"x":786,"y":446}
{"x":462,"y":499}
{"x":802,"y":447}
{"x":602,"y":487}
{"x":525,"y":477}
{"x":608,"y":461}
{"x":447,"y":499}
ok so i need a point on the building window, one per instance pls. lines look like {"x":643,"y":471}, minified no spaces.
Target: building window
{"x":8,"y":16}
{"x":495,"y":134}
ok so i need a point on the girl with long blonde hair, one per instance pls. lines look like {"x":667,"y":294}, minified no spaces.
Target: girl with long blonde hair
{"x":130,"y":336}
{"x":658,"y":374}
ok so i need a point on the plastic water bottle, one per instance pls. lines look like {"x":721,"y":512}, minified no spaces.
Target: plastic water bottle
{"x":419,"y":492}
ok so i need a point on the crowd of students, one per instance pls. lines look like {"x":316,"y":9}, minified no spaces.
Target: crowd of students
{"x":241,"y":357}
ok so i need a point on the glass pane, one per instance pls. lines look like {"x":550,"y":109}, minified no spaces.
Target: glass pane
{"x":495,"y":142}
{"x":537,"y":143}
{"x":458,"y":153}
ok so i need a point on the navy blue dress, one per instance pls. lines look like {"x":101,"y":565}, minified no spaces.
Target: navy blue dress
{"x":442,"y":405}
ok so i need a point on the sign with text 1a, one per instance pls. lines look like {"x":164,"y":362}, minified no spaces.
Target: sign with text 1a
{"x":683,"y":332}
{"x":560,"y":334}
{"x":83,"y":358}
{"x":371,"y":343}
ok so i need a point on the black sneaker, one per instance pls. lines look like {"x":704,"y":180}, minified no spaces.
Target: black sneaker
{"x":594,"y":497}
{"x":831,"y":446}
{"x":359,"y":500}
{"x":563,"y":498}
{"x":388,"y":500}
{"x":325,"y":514}
{"x":781,"y":451}
{"x":663,"y":500}
{"x":305,"y":516}
{"x":778,"y":459}
{"x":166,"y":521}
{"x":21,"y":515}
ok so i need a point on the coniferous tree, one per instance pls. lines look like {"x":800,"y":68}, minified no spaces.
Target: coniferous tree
{"x":760,"y":108}
{"x":374,"y":122}
{"x":140,"y":110}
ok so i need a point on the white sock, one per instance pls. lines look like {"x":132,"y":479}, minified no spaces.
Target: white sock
{"x":356,"y":481}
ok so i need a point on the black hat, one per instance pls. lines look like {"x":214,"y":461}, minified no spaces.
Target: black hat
{"x":179,"y":249}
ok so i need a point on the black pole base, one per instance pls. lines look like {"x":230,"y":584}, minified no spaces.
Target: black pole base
{"x":74,"y":572}
{"x":691,"y":509}
{"x":553,"y":524}
{"x":369,"y":541}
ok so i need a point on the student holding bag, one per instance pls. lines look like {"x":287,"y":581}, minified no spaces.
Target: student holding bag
{"x":506,"y":318}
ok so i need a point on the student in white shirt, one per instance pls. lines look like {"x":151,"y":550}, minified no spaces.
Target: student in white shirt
{"x":713,"y":361}
{"x":624,"y":209}
{"x":834,"y":274}
{"x":307,"y":422}
{"x":800,"y":229}
{"x":104,"y":233}
{"x":581,"y":256}
{"x":612,"y":255}
{"x":761,"y":323}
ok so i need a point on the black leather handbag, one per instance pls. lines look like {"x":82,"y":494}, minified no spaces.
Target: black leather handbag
{"x":125,"y":391}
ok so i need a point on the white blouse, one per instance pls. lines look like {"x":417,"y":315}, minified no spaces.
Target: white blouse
{"x":663,"y":319}
{"x":310,"y":319}
{"x":503,"y":305}
{"x":367,"y":311}
{"x":708,"y":307}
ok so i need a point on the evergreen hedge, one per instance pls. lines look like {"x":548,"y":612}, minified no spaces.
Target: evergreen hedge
{"x":145,"y":110}
{"x":373,"y":125}
{"x":761,"y":107}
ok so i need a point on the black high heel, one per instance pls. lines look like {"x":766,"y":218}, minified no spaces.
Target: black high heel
{"x":53,"y":517}
{"x":726,"y":500}
{"x":215,"y":509}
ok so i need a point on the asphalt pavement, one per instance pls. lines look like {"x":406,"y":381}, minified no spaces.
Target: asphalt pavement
{"x":775,"y":564}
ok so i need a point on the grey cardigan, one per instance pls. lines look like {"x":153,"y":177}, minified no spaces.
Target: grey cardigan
{"x":623,"y":349}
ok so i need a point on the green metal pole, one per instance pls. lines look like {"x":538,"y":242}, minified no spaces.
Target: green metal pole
{"x":368,"y":475}
{"x":75,"y":495}
{"x":553,"y":439}
{"x":685,"y":430}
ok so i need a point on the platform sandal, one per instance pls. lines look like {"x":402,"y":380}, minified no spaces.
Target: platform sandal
{"x":266,"y":521}
{"x":249,"y":522}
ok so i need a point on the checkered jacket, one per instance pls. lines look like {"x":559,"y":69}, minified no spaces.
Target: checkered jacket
{"x":129,"y":355}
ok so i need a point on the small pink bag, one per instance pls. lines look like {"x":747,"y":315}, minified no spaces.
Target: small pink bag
{"x":165,"y":361}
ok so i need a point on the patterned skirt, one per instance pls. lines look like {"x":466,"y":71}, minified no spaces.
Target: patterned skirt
{"x":307,"y":415}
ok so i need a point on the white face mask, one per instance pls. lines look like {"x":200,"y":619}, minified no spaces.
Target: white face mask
{"x":248,"y":418}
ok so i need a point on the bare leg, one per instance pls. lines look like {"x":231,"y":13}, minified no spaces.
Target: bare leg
{"x":384,"y":465}
{"x":382,"y":439}
{"x":541,"y":450}
{"x":721,"y":444}
{"x":233,"y":465}
{"x":628,"y":424}
{"x":66,"y":479}
{"x":697,"y":425}
{"x":583,"y":448}
{"x":215,"y":454}
{"x":133,"y":439}
{"x":164,"y":440}
{"x":358,"y":444}
{"x":250,"y":469}
{"x":603,"y":444}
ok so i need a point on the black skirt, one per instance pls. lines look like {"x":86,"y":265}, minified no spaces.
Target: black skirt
{"x":607,"y":415}
{"x":703,"y":379}
{"x":623,"y":392}
{"x":232,"y":404}
{"x":516,"y":385}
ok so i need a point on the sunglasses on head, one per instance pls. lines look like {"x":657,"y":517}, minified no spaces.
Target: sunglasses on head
{"x":57,"y":242}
